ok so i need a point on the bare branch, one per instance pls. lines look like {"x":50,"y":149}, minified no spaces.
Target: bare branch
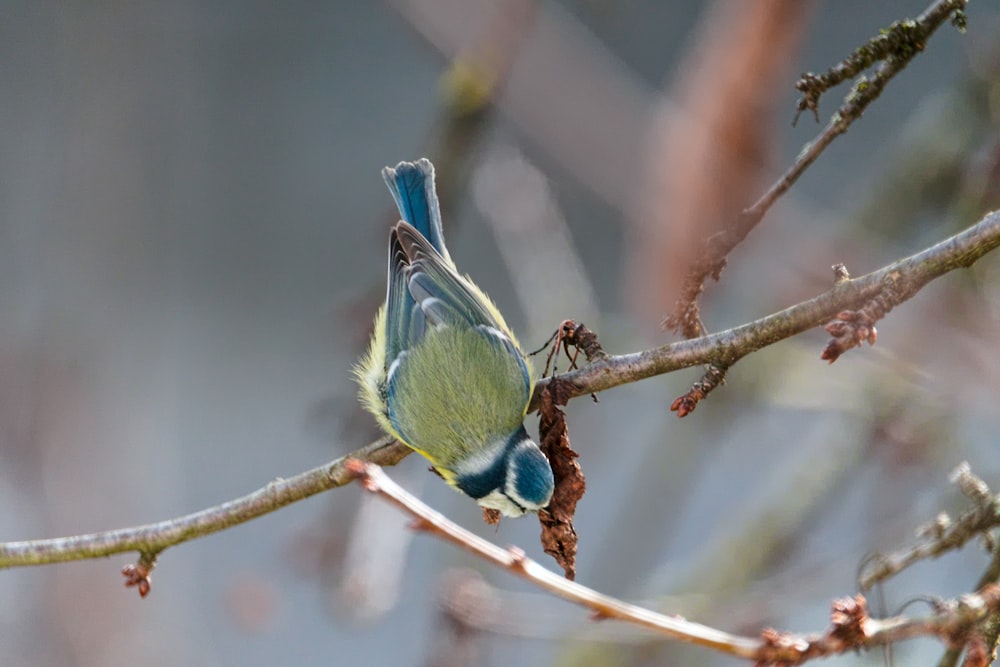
{"x":852,"y":628}
{"x":944,"y":534}
{"x":990,"y":634}
{"x":152,"y":538}
{"x":513,"y":560}
{"x":903,"y":279}
{"x":895,"y":49}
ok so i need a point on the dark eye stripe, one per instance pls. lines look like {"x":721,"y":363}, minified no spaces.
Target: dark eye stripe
{"x":524,"y":510}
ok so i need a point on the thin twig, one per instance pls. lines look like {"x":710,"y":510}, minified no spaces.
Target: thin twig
{"x":514,"y":560}
{"x":153,"y":538}
{"x":712,"y":258}
{"x":894,"y":47}
{"x":943,"y":534}
{"x":864,"y":93}
{"x":714,"y":377}
{"x":852,"y":628}
{"x":991,"y":631}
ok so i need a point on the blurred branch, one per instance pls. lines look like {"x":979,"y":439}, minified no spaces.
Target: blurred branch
{"x":945,"y":534}
{"x":705,"y":162}
{"x":940,"y":536}
{"x":852,"y":627}
{"x":903,"y":279}
{"x":906,"y":277}
{"x":475,"y":78}
{"x":893,"y":48}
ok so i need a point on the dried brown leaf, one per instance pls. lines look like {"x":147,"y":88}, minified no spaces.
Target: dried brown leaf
{"x":559,"y":538}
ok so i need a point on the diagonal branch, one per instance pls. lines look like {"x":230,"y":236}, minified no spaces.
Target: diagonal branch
{"x":905,"y":278}
{"x":895,"y":48}
{"x":945,"y":534}
{"x":513,"y":560}
{"x":153,"y":538}
{"x":852,"y":628}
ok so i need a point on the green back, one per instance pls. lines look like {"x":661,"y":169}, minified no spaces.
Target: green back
{"x":463,"y":389}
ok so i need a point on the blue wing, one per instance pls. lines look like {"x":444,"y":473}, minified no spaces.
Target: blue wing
{"x":443,"y":295}
{"x":413,"y":189}
{"x":423,"y":287}
{"x":399,"y":304}
{"x":443,"y":298}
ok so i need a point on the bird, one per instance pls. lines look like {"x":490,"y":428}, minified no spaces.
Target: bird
{"x":444,"y":374}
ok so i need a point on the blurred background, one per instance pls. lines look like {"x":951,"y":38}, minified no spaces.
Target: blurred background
{"x":192,"y":244}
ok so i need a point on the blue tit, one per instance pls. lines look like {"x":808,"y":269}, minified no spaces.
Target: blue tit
{"x":444,"y":374}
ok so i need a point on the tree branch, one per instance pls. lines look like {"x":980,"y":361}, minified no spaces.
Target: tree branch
{"x":945,"y":534}
{"x":895,"y":48}
{"x":905,"y":278}
{"x":152,"y":538}
{"x":852,"y":628}
{"x":513,"y":560}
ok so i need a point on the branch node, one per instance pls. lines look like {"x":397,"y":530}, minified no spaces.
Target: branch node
{"x":937,"y":528}
{"x":840,"y":273}
{"x":361,"y":470}
{"x":139,"y":574}
{"x":849,"y":617}
{"x":851,"y":328}
{"x":780,"y":649}
{"x":715,"y":375}
{"x":570,"y":334}
{"x":600,"y":615}
{"x":518,"y":558}
{"x":959,"y":20}
{"x":420,"y":524}
{"x":811,"y":86}
{"x":970,"y":484}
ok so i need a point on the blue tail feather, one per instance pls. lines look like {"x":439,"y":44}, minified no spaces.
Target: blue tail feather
{"x":412,"y":186}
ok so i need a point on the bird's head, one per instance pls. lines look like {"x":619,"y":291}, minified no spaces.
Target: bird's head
{"x":514,"y":478}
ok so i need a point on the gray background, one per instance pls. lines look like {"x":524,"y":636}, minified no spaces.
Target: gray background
{"x":192,"y":230}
